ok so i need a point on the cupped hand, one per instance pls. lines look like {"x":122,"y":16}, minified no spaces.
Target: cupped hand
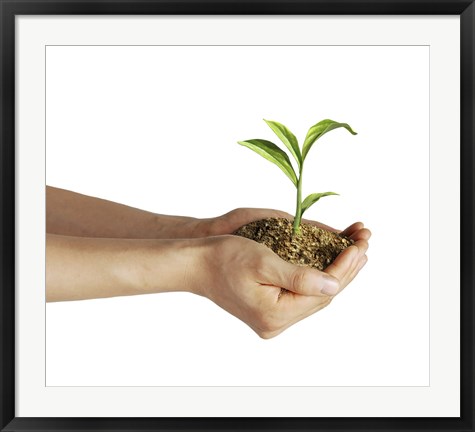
{"x":246,"y":279}
{"x":235,"y":219}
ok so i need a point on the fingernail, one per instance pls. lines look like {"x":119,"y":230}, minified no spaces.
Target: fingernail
{"x":330,"y":285}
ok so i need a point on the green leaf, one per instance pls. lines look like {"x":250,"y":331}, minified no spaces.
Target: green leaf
{"x":272,"y":153}
{"x":288,"y":138}
{"x":320,"y":129}
{"x":313,"y":198}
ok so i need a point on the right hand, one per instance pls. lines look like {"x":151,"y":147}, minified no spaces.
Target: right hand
{"x":245,"y":278}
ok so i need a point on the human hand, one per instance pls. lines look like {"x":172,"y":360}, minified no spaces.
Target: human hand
{"x":235,"y":219}
{"x":245,"y":278}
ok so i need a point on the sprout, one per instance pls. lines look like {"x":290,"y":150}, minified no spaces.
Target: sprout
{"x":271,"y":152}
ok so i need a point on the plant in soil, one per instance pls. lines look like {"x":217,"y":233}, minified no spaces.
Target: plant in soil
{"x":294,"y":241}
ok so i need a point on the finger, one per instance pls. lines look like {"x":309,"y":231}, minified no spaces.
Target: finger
{"x":300,"y":303}
{"x":345,"y":266}
{"x":242,"y":216}
{"x":362,"y":262}
{"x":254,"y":214}
{"x":353,"y":228}
{"x":302,"y":306}
{"x":362,"y":246}
{"x":362,"y":234}
{"x":359,"y":264}
{"x":301,"y":280}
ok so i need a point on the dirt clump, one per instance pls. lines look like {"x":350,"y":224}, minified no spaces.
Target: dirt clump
{"x":312,"y":246}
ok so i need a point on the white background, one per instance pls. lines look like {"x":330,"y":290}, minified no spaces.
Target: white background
{"x":441,"y":398}
{"x":156,"y":128}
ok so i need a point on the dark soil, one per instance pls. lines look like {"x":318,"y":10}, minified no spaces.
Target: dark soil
{"x":312,"y":246}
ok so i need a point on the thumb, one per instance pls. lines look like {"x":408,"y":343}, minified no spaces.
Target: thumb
{"x":303,"y":280}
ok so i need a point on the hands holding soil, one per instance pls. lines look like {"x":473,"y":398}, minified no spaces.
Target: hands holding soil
{"x":97,"y":248}
{"x":245,"y":278}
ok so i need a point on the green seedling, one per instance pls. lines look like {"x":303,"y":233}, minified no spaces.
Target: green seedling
{"x":273,"y":153}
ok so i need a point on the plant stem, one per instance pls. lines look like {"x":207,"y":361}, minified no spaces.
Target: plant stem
{"x":298,"y":211}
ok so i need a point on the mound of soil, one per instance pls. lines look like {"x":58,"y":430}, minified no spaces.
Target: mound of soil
{"x":312,"y":246}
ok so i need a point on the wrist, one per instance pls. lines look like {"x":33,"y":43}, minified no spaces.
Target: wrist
{"x":203,"y":228}
{"x":179,"y":227}
{"x":167,"y":265}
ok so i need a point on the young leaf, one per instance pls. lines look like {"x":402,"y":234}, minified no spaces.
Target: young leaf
{"x":272,"y":153}
{"x":288,"y":138}
{"x":313,"y":198}
{"x":320,"y":129}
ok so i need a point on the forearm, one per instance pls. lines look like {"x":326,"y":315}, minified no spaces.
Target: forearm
{"x":79,"y":268}
{"x":74,"y":214}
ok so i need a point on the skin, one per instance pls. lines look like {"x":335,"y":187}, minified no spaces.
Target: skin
{"x":97,"y":248}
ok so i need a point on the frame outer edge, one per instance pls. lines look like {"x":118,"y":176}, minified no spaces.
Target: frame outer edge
{"x":467,"y":206}
{"x":7,"y":218}
{"x":7,"y":214}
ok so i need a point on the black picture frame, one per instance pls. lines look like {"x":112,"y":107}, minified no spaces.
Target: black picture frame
{"x":9,"y":9}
